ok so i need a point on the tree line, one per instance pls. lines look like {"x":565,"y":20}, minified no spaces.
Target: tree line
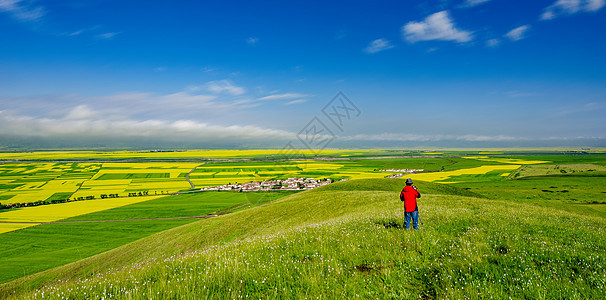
{"x":81,"y":198}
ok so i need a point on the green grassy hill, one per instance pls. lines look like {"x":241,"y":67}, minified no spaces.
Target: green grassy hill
{"x":46,"y":246}
{"x":395,"y":185}
{"x":346,"y":240}
{"x":580,"y":189}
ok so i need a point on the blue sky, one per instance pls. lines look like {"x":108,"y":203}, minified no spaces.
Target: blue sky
{"x":460,"y":73}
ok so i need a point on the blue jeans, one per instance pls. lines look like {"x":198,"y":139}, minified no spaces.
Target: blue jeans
{"x":415,"y":219}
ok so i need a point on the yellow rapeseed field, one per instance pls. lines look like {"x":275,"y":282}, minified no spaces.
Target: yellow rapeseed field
{"x":31,"y":192}
{"x":38,"y":181}
{"x":203,"y":182}
{"x":195,"y":154}
{"x":110,"y":179}
{"x":158,"y":186}
{"x":55,"y":212}
{"x":174,"y":169}
{"x":98,"y":187}
{"x":310,"y":165}
{"x":508,"y":160}
{"x":8,"y":227}
{"x":439,"y":176}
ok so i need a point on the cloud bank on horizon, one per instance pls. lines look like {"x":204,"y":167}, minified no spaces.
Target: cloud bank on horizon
{"x":465,"y":73}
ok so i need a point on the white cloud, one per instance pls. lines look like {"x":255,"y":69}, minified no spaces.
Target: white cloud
{"x":404,"y":137}
{"x":517,"y":33}
{"x":219,"y":101}
{"x":594,"y":5}
{"x":487,"y":138}
{"x":471,"y":3}
{"x":584,"y":108}
{"x":8,"y":5}
{"x":296,"y":101}
{"x":493,"y":43}
{"x":252,"y":41}
{"x":224,"y":86}
{"x":437,"y":26}
{"x":75,"y":33}
{"x":519,"y":94}
{"x":185,"y":97}
{"x":570,"y":7}
{"x":100,"y":128}
{"x":80,"y":112}
{"x":284,"y":96}
{"x":107,"y":35}
{"x":21,"y":10}
{"x":215,"y":113}
{"x":183,"y":104}
{"x":378,"y":45}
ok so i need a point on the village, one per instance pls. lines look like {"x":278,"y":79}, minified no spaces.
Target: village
{"x":290,"y":184}
{"x":401,"y":172}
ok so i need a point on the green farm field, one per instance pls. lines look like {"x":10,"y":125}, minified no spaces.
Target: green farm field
{"x":54,"y":244}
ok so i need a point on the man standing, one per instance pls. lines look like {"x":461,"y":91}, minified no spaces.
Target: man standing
{"x":409,"y":195}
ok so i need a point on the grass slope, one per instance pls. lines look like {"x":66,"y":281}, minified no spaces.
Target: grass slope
{"x":345,"y":241}
{"x":46,"y":246}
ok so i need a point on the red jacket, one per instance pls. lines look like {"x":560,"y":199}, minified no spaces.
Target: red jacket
{"x":409,"y":195}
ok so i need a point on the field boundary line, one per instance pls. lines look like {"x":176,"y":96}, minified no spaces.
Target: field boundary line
{"x":20,"y":222}
{"x":79,"y":186}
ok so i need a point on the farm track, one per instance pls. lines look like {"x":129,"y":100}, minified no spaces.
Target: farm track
{"x":79,"y":186}
{"x":103,"y":221}
{"x":192,"y":170}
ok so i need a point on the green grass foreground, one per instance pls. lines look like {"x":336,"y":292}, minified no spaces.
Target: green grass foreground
{"x":46,"y":246}
{"x":347,"y":241}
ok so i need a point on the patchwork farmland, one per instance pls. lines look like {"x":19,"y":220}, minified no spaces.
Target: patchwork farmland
{"x":31,"y":182}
